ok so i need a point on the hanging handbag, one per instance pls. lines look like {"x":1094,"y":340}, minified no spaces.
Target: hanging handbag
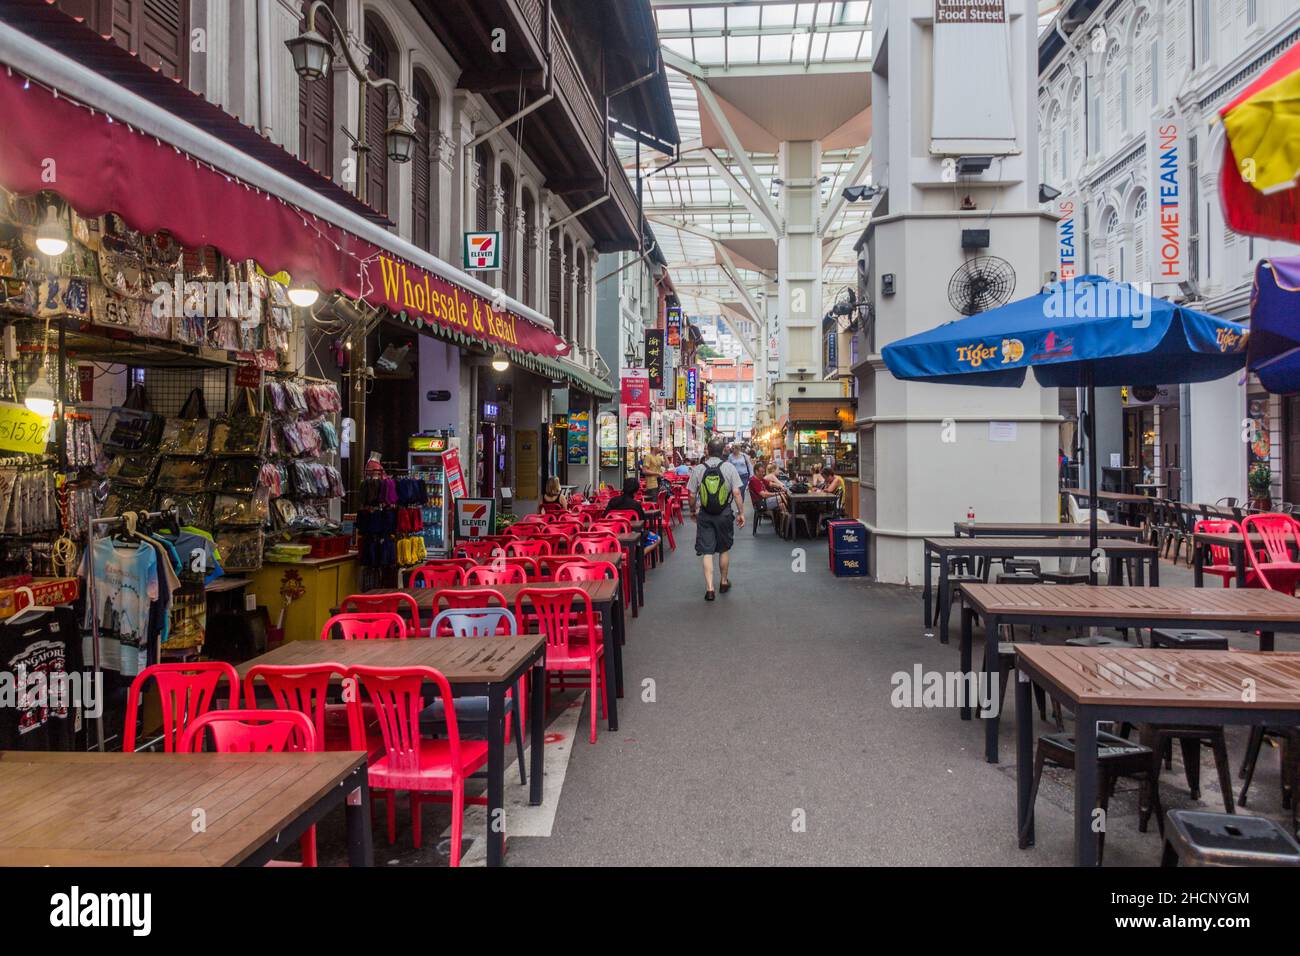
{"x":187,"y":434}
{"x":131,"y":426}
{"x":242,"y":432}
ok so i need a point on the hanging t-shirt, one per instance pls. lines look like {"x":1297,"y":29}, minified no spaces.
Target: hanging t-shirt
{"x":126,"y":589}
{"x":33,"y":655}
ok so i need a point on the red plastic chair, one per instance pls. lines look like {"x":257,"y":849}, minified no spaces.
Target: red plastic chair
{"x":478,"y":597}
{"x":529,"y":547}
{"x":479,"y":550}
{"x":532,"y":567}
{"x":574,"y":641}
{"x":1273,"y":566}
{"x":615,"y":525}
{"x":505,"y":574}
{"x":437,"y":576}
{"x":252,"y":732}
{"x":1221,"y":564}
{"x":409,"y":761}
{"x":365,"y":627}
{"x":561,"y":542}
{"x":596,"y":542}
{"x":625,"y":514}
{"x":394,"y":602}
{"x":586,"y":571}
{"x":305,"y":689}
{"x":258,"y":731}
{"x":187,"y":690}
{"x":552,"y":507}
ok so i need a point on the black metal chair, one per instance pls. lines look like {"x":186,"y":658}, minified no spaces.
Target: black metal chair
{"x":1193,"y":838}
{"x":761,"y":511}
{"x":1290,"y":771}
{"x":1116,"y":757}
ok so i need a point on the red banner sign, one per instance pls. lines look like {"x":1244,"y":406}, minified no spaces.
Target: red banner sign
{"x":435,"y":301}
{"x":455,"y":474}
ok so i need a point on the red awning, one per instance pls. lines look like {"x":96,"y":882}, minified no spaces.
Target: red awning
{"x":98,"y":165}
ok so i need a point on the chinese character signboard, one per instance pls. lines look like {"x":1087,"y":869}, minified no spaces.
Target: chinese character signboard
{"x":674,"y":327}
{"x":482,"y":250}
{"x":692,"y":389}
{"x":654,"y":357}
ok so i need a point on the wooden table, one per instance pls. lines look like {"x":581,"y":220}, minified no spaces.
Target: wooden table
{"x":630,"y":542}
{"x":1141,"y":685}
{"x":139,"y":809}
{"x":942,"y":550}
{"x":811,"y":498}
{"x":1045,"y":529}
{"x":1202,"y":541}
{"x":605,"y":596}
{"x":474,"y":666}
{"x":1081,"y":605}
{"x":1122,"y":500}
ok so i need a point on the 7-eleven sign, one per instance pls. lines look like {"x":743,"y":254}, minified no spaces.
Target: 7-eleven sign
{"x":482,"y":250}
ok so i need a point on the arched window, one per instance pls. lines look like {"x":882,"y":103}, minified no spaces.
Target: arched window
{"x":530,"y":248}
{"x":423,"y":184}
{"x":1075,"y":152}
{"x":508,"y":233}
{"x":568,"y":289}
{"x":483,"y":191}
{"x":1114,"y":251}
{"x":1140,"y":229}
{"x":1055,"y":134}
{"x":580,"y":277}
{"x":555,"y":283}
{"x":1144,"y":57}
{"x":1116,"y":78}
{"x":379,"y":65}
{"x":316,"y":112}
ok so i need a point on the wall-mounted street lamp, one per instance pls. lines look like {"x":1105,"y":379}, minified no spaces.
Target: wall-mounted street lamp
{"x":312,"y":55}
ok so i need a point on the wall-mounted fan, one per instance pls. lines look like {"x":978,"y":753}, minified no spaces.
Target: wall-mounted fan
{"x":980,"y":284}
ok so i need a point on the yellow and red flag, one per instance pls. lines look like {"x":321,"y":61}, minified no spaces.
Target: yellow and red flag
{"x":1261,"y":158}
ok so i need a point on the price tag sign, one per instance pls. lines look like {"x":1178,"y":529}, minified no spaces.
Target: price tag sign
{"x":22,"y":430}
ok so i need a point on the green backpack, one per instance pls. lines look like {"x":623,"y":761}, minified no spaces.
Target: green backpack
{"x":713,"y":491}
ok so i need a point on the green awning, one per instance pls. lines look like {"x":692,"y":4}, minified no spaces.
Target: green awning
{"x":554,"y":368}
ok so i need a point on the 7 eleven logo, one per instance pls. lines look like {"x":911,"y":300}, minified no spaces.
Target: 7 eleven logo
{"x":482,"y":250}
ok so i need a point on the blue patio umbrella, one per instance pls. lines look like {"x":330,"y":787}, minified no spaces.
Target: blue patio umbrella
{"x":1081,"y":333}
{"x":1274,"y":352}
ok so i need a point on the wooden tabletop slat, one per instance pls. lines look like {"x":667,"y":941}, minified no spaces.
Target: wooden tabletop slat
{"x":462,"y":660}
{"x":1159,"y":677}
{"x":1120,"y":546}
{"x":1043,"y":529}
{"x":138,"y":809}
{"x":1196,"y":605}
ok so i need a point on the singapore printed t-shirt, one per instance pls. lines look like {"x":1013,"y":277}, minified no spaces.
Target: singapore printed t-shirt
{"x":33,"y":652}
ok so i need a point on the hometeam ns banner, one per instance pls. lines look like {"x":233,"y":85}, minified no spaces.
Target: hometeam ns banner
{"x":435,"y":301}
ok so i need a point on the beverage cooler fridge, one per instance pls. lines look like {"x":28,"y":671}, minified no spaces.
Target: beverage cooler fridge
{"x":437,"y":511}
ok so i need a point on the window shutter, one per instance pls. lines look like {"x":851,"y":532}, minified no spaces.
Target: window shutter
{"x":421,"y":175}
{"x":163,"y":38}
{"x":1140,"y":228}
{"x":1176,"y":46}
{"x":529,"y":249}
{"x":553,"y":293}
{"x":316,"y":114}
{"x":376,"y":122}
{"x":483,"y":159}
{"x":508,"y":233}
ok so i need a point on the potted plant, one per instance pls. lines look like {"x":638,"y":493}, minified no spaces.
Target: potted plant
{"x":1260,"y":483}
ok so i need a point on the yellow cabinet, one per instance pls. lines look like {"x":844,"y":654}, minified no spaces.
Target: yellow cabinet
{"x":306,"y":592}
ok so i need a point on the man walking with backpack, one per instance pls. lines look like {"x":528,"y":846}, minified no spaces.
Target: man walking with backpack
{"x":715,"y":489}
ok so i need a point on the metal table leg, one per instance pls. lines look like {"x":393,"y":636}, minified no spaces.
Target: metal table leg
{"x":357,"y":812}
{"x":1085,"y":787}
{"x":537,"y":724}
{"x":990,"y":671}
{"x":496,"y":814}
{"x":613,"y":663}
{"x":967,"y":637}
{"x":1024,"y":758}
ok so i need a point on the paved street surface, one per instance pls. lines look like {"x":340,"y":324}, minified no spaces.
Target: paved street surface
{"x":758,"y":730}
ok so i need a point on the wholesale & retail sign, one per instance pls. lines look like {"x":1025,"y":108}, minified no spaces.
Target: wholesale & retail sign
{"x":431,"y":299}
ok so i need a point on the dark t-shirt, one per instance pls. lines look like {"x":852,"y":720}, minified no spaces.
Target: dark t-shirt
{"x":41,"y":717}
{"x":622,"y":503}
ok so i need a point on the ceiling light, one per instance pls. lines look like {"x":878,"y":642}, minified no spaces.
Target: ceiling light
{"x":303,"y":296}
{"x":40,"y":397}
{"x":499,"y":361}
{"x":52,"y":238}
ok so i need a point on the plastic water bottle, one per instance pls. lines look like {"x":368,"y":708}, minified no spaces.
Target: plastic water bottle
{"x":970,"y":517}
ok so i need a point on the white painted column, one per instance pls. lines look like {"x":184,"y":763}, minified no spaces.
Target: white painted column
{"x":799,"y":258}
